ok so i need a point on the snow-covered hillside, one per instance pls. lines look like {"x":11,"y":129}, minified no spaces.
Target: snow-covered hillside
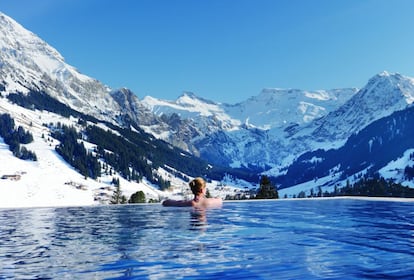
{"x":383,"y":95}
{"x":272,"y":108}
{"x":276,"y":108}
{"x":273,"y":128}
{"x":28,"y":63}
{"x":50,"y":181}
{"x":252,"y":132}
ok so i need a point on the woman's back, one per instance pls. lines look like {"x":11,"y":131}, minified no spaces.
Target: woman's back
{"x":199,"y":189}
{"x":208,"y":203}
{"x":200,"y":203}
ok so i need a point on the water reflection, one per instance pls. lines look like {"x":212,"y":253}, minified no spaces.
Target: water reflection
{"x":263,"y":240}
{"x":198,"y":219}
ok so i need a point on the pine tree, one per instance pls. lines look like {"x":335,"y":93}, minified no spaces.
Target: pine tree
{"x":138,"y":197}
{"x":302,"y":194}
{"x":267,"y":190}
{"x":117,"y":196}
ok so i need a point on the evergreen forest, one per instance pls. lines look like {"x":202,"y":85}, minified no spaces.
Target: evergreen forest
{"x":15,"y":137}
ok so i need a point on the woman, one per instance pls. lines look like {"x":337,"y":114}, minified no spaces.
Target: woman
{"x":199,"y":189}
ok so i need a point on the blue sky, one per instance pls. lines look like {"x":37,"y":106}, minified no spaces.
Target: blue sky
{"x":225,"y":50}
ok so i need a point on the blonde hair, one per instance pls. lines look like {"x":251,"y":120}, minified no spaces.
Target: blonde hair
{"x":197,"y":185}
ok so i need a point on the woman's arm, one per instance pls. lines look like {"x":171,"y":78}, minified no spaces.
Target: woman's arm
{"x":177,"y":203}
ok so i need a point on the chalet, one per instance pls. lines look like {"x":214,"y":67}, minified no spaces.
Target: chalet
{"x":15,"y":177}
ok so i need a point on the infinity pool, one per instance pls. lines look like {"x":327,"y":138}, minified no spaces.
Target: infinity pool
{"x":284,"y":239}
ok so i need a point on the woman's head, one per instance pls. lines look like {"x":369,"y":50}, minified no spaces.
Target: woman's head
{"x":197,"y":185}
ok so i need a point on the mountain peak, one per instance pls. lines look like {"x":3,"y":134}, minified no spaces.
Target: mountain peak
{"x":188,"y":94}
{"x":16,"y":41}
{"x":396,"y":87}
{"x":384,"y":74}
{"x":30,"y":64}
{"x":389,"y":77}
{"x":384,"y":94}
{"x":190,"y":98}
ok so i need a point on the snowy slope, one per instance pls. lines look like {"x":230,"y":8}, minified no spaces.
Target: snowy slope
{"x":248,"y":133}
{"x":395,"y":169}
{"x":276,"y":126}
{"x":271,"y":108}
{"x":275,"y":108}
{"x":29,"y":63}
{"x":209,"y":116}
{"x":383,"y":95}
{"x":50,"y":181}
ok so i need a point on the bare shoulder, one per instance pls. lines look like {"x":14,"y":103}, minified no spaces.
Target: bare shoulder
{"x":177,"y":203}
{"x":213,"y":202}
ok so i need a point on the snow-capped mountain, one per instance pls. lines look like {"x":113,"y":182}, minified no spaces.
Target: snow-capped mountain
{"x":384,"y":94}
{"x":278,"y":108}
{"x":277,"y":132}
{"x":27,"y":63}
{"x":187,"y":119}
{"x":266,"y":131}
{"x":272,"y":129}
{"x":374,"y":149}
{"x":272,"y":108}
{"x":133,"y":108}
{"x":250,"y":133}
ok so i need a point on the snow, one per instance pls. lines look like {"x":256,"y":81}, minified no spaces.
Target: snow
{"x":154,"y":131}
{"x":307,"y":187}
{"x":190,"y":106}
{"x":395,"y":169}
{"x":274,"y":108}
{"x":42,"y":183}
{"x":50,"y":181}
{"x":253,"y":131}
{"x":272,"y":128}
{"x":29,"y":62}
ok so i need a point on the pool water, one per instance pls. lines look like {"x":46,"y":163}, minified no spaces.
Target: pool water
{"x":283,"y":239}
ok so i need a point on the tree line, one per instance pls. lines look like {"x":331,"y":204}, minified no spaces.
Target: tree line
{"x":14,"y":137}
{"x":375,"y":186}
{"x":74,"y":151}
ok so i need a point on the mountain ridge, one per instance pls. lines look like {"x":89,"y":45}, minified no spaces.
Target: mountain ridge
{"x":29,"y":63}
{"x":265,"y":134}
{"x":192,"y":123}
{"x":368,"y":105}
